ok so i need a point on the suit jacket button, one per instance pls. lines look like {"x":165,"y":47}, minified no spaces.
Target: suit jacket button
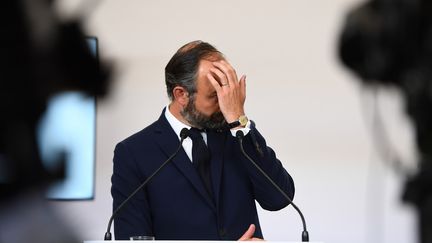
{"x":222,"y":232}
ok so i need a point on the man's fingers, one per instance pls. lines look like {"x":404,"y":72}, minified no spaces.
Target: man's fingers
{"x":248,"y":234}
{"x":221,"y":76}
{"x":243,"y":86}
{"x":214,"y":82}
{"x":257,"y":239}
{"x":229,"y":71}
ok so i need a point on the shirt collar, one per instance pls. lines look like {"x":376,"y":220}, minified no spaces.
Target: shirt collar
{"x":174,"y":122}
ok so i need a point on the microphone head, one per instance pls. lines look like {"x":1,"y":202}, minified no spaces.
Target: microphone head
{"x":184,"y":133}
{"x":108,"y":236}
{"x":239,"y":134}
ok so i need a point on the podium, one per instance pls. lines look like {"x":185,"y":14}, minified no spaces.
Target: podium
{"x":190,"y":241}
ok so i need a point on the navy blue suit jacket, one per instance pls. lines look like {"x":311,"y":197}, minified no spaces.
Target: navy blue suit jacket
{"x":175,"y":204}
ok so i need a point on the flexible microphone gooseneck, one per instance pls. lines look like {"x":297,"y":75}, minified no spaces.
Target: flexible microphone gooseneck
{"x":305,"y":234}
{"x":183,"y":135}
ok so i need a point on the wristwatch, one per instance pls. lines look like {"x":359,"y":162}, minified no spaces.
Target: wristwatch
{"x":242,"y":121}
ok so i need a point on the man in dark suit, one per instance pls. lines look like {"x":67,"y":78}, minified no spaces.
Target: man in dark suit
{"x":209,"y":189}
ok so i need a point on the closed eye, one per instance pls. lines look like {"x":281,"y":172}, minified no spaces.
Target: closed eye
{"x":213,"y":95}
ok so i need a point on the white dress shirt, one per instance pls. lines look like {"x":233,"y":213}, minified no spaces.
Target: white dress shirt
{"x":187,"y":143}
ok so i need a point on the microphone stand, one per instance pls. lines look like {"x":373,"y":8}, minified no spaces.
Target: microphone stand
{"x":305,"y":234}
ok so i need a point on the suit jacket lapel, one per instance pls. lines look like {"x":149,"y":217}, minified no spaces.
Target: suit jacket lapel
{"x":168,"y":141}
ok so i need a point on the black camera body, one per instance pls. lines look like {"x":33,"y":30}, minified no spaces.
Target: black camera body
{"x":41,"y":56}
{"x":389,"y":43}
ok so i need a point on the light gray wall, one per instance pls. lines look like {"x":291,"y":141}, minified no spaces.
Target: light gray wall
{"x":309,"y":108}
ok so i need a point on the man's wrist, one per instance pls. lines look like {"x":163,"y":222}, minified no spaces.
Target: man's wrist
{"x":245,"y":129}
{"x":239,"y":123}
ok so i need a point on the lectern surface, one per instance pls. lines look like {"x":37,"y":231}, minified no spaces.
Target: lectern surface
{"x":192,"y":241}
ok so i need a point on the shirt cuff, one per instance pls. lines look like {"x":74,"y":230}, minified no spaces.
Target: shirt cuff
{"x":245,"y":129}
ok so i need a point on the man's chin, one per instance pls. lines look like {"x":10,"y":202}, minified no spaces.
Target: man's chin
{"x":210,"y":124}
{"x":199,"y":120}
{"x":216,"y":121}
{"x":219,"y":125}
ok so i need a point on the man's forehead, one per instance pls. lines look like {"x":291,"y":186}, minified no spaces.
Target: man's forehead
{"x":211,"y":58}
{"x":206,"y":64}
{"x":204,"y":69}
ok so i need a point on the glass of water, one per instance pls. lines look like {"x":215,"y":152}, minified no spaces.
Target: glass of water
{"x":142,"y":237}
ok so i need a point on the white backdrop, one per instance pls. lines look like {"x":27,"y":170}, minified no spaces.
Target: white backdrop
{"x":309,"y":108}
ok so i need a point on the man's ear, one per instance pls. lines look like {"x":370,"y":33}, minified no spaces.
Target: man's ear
{"x":181,"y":96}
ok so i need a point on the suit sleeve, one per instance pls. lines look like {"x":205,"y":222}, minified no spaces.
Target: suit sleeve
{"x":134,"y":218}
{"x":267,"y":196}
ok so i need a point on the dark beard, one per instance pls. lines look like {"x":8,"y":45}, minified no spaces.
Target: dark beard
{"x":200,"y":120}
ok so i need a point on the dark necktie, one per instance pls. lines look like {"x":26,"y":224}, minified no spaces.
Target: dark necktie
{"x":201,"y":158}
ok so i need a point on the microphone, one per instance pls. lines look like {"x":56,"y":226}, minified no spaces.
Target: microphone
{"x":183,"y":135}
{"x":305,"y":234}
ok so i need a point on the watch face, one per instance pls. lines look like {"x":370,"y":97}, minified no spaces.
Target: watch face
{"x":243,"y":120}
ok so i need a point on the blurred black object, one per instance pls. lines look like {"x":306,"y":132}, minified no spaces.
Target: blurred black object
{"x":39,"y":56}
{"x":389,"y":42}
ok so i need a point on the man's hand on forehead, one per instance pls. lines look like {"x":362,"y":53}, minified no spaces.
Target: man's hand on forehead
{"x":230,"y":90}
